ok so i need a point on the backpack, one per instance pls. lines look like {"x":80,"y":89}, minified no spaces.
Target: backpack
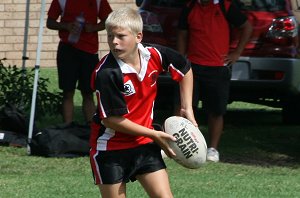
{"x":71,"y":140}
{"x":14,"y":126}
{"x":10,"y":138}
{"x":13,"y":119}
{"x":224,"y":9}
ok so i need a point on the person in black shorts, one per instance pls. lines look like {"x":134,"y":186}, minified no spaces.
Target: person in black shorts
{"x":124,"y":145}
{"x":76,"y":61}
{"x":211,"y":85}
{"x":74,"y":65}
{"x":204,"y":37}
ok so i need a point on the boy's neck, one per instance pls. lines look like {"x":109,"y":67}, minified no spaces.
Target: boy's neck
{"x":134,"y":61}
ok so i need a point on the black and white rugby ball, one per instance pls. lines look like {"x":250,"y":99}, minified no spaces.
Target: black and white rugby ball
{"x":190,"y":145}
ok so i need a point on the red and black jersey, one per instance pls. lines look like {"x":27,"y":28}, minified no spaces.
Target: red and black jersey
{"x":121,"y":91}
{"x":209,"y":30}
{"x":88,"y":41}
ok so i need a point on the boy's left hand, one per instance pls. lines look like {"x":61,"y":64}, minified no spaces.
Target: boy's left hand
{"x":162,"y":138}
{"x":188,"y":114}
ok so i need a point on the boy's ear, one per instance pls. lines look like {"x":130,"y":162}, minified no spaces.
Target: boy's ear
{"x":139,"y":37}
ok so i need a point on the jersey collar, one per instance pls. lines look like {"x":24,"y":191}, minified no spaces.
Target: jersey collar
{"x":144,"y":57}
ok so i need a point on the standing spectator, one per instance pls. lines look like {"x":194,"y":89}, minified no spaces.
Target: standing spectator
{"x":204,"y":36}
{"x":124,"y":145}
{"x":76,"y":61}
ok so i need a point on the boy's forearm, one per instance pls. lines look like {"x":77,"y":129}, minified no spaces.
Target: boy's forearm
{"x":119,"y":123}
{"x":186,"y":90}
{"x":186,"y":97}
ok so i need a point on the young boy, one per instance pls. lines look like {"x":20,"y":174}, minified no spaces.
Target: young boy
{"x":124,"y":145}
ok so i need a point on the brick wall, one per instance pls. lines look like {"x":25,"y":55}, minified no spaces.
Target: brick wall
{"x":12,"y":25}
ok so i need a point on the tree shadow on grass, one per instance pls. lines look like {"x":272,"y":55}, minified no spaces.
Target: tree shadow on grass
{"x":258,"y":137}
{"x":253,"y":137}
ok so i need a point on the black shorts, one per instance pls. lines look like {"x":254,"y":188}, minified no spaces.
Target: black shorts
{"x":74,"y":65}
{"x":211,"y":86}
{"x":111,"y":167}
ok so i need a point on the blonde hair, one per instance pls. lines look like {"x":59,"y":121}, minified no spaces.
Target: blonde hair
{"x":126,"y":18}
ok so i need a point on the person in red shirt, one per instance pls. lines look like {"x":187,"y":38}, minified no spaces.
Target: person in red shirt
{"x":204,"y":37}
{"x":124,"y":144}
{"x":76,"y":61}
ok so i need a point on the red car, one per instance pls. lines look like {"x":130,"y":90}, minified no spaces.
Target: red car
{"x":268,"y":72}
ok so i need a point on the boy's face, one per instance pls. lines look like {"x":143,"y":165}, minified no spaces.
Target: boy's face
{"x":122,"y":43}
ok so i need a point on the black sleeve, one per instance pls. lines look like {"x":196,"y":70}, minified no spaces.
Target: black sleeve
{"x":172,"y":57}
{"x":235,"y":17}
{"x":109,"y":83}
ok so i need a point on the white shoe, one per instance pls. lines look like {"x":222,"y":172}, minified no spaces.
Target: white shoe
{"x":212,"y":155}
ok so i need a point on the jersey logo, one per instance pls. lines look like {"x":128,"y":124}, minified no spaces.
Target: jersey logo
{"x":153,"y":77}
{"x":129,"y":88}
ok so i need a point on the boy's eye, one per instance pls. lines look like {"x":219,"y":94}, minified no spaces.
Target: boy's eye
{"x":121,"y":35}
{"x":110,"y":36}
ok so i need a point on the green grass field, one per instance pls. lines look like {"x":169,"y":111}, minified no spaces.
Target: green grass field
{"x":260,"y":157}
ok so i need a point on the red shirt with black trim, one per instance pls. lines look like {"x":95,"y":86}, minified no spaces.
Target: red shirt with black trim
{"x":121,"y":91}
{"x":88,"y":42}
{"x":209,"y":31}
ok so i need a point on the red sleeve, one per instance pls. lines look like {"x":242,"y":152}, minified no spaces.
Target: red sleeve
{"x":105,"y":9}
{"x":176,"y":75}
{"x":55,"y":10}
